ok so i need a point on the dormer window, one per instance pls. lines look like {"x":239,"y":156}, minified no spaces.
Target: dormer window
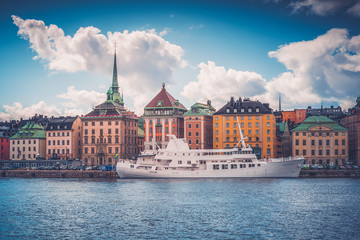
{"x":227,"y":110}
{"x":235,"y":110}
{"x":257,"y":109}
{"x":159,"y":103}
{"x":249,"y":109}
{"x":243,"y":110}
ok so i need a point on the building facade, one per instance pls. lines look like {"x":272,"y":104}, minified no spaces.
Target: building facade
{"x":4,"y":148}
{"x":29,"y":143}
{"x":199,"y":126}
{"x":109,"y":131}
{"x":257,"y":123}
{"x":283,"y":143}
{"x":163,"y":115}
{"x":63,"y":138}
{"x":320,"y":141}
{"x":352,"y":123}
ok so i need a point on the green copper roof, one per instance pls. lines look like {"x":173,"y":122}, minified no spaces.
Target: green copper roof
{"x":200,"y":109}
{"x":282,"y":126}
{"x":30,"y":131}
{"x":318,"y":120}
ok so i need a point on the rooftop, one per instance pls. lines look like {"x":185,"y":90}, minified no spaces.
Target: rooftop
{"x":318,"y":120}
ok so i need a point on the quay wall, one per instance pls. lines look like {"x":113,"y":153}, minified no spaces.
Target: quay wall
{"x":323,"y":173}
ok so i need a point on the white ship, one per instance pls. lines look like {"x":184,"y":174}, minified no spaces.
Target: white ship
{"x":178,"y":161}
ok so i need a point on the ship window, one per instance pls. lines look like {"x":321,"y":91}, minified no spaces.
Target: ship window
{"x":179,"y":162}
{"x":233,"y":166}
{"x":188,"y":162}
{"x":224,"y":166}
{"x":258,"y":164}
{"x":216,"y":167}
{"x":131,"y":166}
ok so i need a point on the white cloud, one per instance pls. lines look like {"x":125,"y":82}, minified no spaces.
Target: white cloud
{"x":17,"y":111}
{"x":144,"y":58}
{"x":217,"y":84}
{"x":78,"y":98}
{"x":323,"y":7}
{"x":354,"y":10}
{"x":324,"y":69}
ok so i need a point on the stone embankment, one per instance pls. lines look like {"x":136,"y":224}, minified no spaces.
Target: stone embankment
{"x":58,"y":174}
{"x":323,"y":173}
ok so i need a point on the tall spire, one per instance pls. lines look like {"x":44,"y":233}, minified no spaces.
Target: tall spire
{"x":115,"y":84}
{"x":279,"y":101}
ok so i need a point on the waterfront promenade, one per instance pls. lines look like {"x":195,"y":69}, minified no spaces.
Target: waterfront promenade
{"x":323,"y":173}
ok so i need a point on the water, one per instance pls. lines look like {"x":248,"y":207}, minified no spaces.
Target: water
{"x":180,"y":209}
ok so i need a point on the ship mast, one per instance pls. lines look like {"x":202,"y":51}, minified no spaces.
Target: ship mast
{"x":242,"y":139}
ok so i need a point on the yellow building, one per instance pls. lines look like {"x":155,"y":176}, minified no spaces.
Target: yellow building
{"x":320,"y":141}
{"x":257,"y":123}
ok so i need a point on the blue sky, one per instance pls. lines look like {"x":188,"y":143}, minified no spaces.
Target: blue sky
{"x":57,"y":55}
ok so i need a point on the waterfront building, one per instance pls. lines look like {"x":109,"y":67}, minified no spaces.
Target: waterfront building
{"x":163,"y":115}
{"x":63,"y":138}
{"x":4,"y":148}
{"x":109,"y":131}
{"x":292,"y":117}
{"x":352,"y":123}
{"x":28,"y":143}
{"x":199,"y":126}
{"x":320,"y":140}
{"x":141,"y":138}
{"x":257,"y":123}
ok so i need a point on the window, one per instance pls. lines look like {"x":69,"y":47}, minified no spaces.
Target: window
{"x":234,"y":131}
{"x":49,"y":142}
{"x":268,"y":139}
{"x":268,"y":151}
{"x":249,"y":109}
{"x":304,"y":152}
{"x":224,"y":166}
{"x":336,"y":152}
{"x":189,"y":134}
{"x":296,"y":152}
{"x":227,"y":125}
{"x":327,"y":142}
{"x":196,"y":125}
{"x":101,"y":123}
{"x":320,"y":142}
{"x":296,"y":142}
{"x":268,"y":117}
{"x":216,"y":132}
{"x":304,"y":142}
{"x":216,"y":118}
{"x":343,"y":151}
{"x":268,"y":131}
{"x":117,"y":131}
{"x":304,"y":133}
{"x":312,"y":152}
{"x":197,"y":134}
{"x":216,"y":125}
{"x":336,"y":133}
{"x":312,"y":142}
{"x":86,"y":123}
{"x":109,"y":131}
{"x":109,"y":150}
{"x":86,"y":131}
{"x":216,"y":166}
{"x":93,"y":131}
{"x":336,"y":142}
{"x":320,"y":152}
{"x":327,"y":152}
{"x":343,"y":142}
{"x":92,"y":150}
{"x":268,"y":124}
{"x":257,"y":124}
{"x":249,"y":124}
{"x":189,"y":125}
{"x":92,"y":123}
{"x":67,"y":142}
{"x":109,"y":123}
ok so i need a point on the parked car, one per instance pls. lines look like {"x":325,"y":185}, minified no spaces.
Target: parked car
{"x":320,"y":167}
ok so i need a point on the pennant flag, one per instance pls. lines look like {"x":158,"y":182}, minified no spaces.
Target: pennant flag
{"x":116,"y":156}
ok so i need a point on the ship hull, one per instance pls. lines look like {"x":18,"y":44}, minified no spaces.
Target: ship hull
{"x":280,"y":169}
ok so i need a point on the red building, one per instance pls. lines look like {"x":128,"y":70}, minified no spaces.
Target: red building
{"x":199,"y":126}
{"x":4,"y":148}
{"x":300,"y":115}
{"x":163,"y":115}
{"x":352,"y":123}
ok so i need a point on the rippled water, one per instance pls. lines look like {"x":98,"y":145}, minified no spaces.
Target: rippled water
{"x":180,"y":209}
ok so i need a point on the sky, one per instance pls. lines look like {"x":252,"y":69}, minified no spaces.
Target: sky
{"x":57,"y":56}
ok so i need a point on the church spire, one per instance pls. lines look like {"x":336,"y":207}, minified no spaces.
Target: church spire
{"x":115,"y":84}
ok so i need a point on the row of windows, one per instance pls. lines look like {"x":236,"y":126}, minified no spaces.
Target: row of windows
{"x":196,"y":125}
{"x":242,"y":125}
{"x":320,"y":152}
{"x":58,"y":151}
{"x":109,"y":123}
{"x":23,"y":156}
{"x":320,"y":134}
{"x":23,"y":141}
{"x":241,"y":118}
{"x":29,"y":149}
{"x":58,"y":142}
{"x":58,"y":134}
{"x":233,"y":166}
{"x":320,"y":142}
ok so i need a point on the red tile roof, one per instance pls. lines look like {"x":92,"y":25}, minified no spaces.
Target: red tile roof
{"x":167,"y":100}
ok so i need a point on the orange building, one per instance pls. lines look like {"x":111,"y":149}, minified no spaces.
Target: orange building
{"x":163,"y":115}
{"x":300,"y":115}
{"x":63,"y":138}
{"x":199,"y":126}
{"x":257,"y":123}
{"x":288,"y":116}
